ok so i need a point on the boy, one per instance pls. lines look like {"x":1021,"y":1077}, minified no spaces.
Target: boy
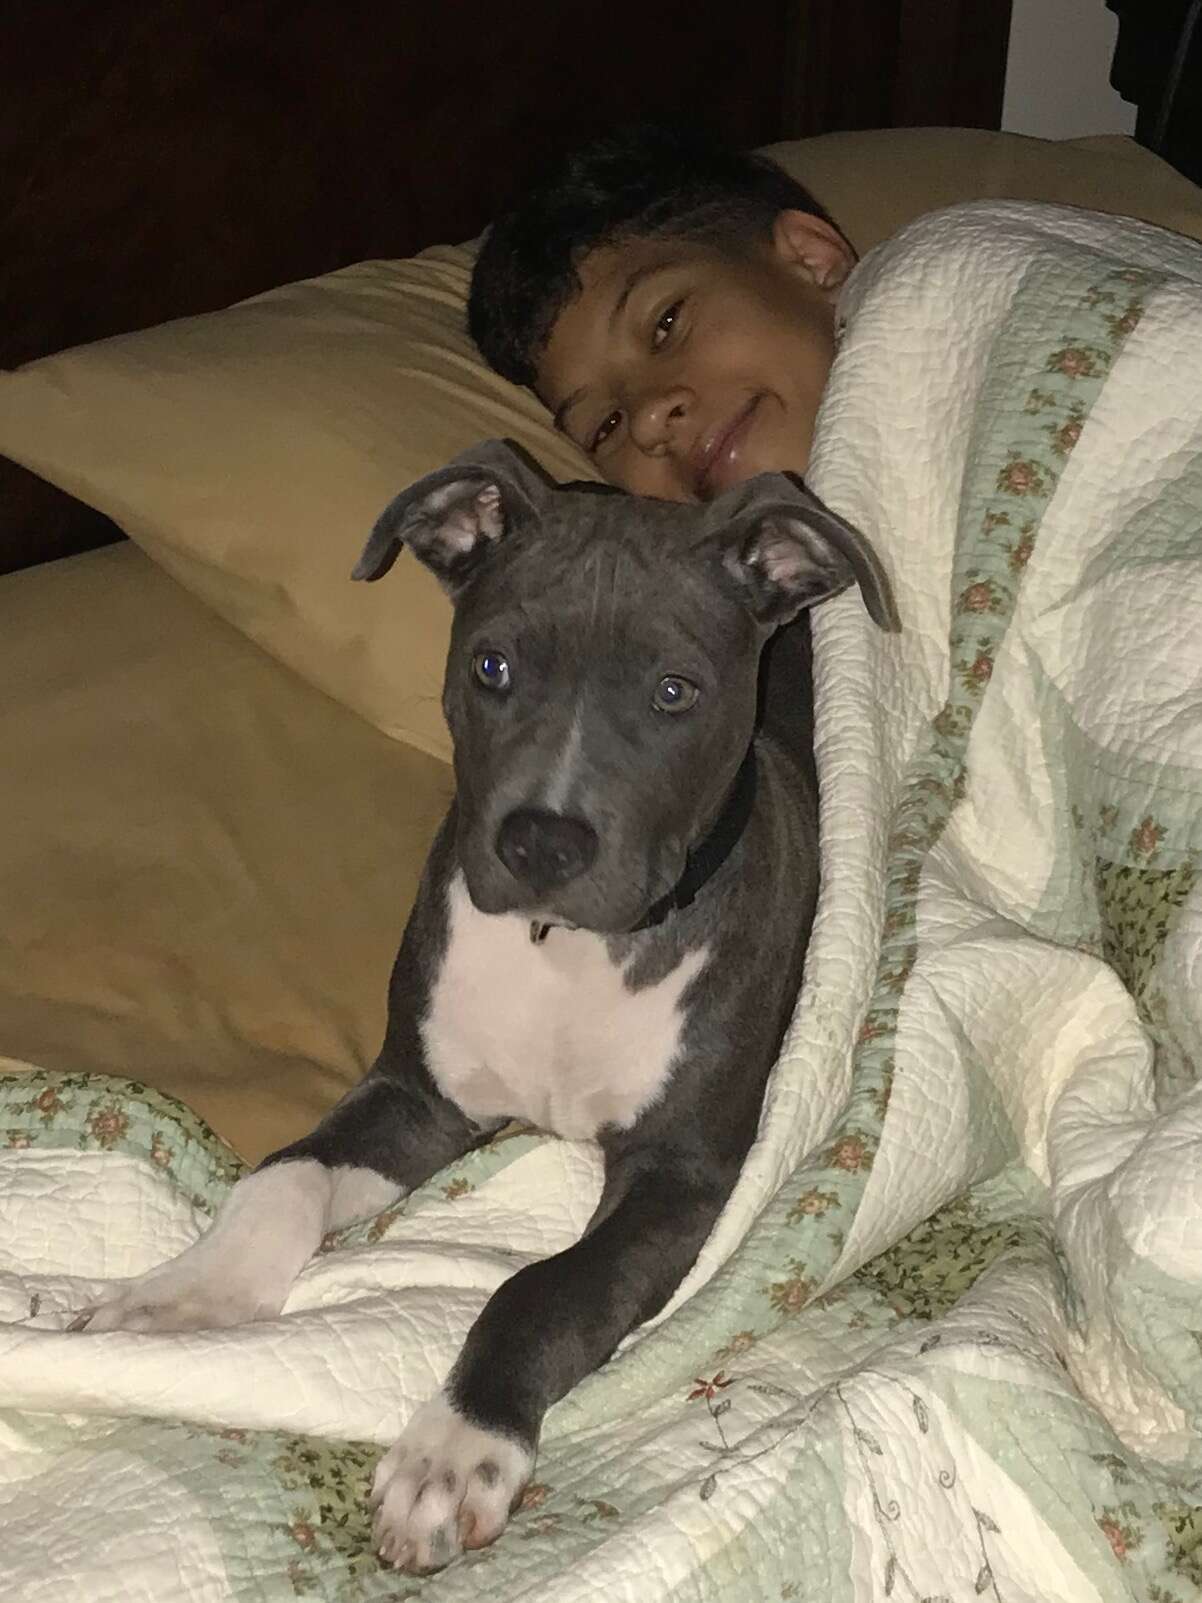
{"x":672,"y":302}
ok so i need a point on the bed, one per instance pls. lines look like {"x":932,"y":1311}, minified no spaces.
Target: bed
{"x":224,"y":764}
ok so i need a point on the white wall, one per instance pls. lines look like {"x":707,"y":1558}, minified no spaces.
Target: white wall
{"x":1058,"y":71}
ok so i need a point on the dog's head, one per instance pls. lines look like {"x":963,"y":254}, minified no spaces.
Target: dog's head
{"x":601,"y":681}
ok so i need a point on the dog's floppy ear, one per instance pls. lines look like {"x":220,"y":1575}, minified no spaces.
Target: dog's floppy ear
{"x":788,"y":551}
{"x":451,"y":519}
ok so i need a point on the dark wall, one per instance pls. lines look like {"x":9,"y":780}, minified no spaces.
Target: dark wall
{"x":166,"y":157}
{"x":900,"y":64}
{"x":1158,"y":67}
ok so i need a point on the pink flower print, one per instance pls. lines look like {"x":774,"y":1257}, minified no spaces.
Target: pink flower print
{"x":108,"y":1126}
{"x":790,"y":1296}
{"x":1073,"y":362}
{"x":1146,"y":838}
{"x":851,"y":1153}
{"x":1113,"y":1533}
{"x":1020,"y":555}
{"x":740,"y":1342}
{"x":48,"y":1103}
{"x":1066,"y":436}
{"x":709,"y":1389}
{"x":978,"y":597}
{"x":1020,"y":478}
{"x":980,"y":671}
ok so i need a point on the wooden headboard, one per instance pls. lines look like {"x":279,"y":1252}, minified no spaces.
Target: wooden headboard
{"x":166,"y":157}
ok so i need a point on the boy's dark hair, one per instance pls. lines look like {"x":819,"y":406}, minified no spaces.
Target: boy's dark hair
{"x":637,"y":183}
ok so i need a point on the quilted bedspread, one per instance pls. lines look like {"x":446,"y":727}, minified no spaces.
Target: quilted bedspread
{"x":946,"y":1341}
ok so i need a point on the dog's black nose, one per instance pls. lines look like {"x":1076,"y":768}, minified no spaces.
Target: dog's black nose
{"x":545,"y":849}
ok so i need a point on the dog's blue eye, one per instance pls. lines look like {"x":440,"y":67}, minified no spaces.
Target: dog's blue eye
{"x":674,"y":694}
{"x":491,"y":669}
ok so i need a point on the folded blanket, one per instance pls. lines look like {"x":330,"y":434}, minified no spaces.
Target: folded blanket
{"x":946,"y":1341}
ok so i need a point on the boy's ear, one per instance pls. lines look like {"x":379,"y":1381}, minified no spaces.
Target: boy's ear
{"x":452,"y":518}
{"x":811,"y":242}
{"x":786,"y":551}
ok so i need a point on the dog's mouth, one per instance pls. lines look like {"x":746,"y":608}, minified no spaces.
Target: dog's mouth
{"x":581,"y":909}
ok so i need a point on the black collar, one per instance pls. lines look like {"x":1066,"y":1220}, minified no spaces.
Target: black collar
{"x":705,"y":859}
{"x":702,"y":861}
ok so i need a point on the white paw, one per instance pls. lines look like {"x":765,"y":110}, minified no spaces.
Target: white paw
{"x":174,"y":1297}
{"x":242,"y":1269}
{"x":447,"y":1485}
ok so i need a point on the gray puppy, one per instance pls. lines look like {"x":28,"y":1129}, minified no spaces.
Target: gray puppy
{"x":607,"y":941}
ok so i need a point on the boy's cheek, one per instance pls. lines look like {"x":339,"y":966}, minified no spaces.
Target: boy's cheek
{"x":657,"y":477}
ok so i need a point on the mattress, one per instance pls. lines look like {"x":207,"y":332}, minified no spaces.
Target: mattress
{"x":205,"y":864}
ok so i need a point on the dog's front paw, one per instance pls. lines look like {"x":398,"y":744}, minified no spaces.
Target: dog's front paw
{"x":447,"y":1485}
{"x":173,"y":1298}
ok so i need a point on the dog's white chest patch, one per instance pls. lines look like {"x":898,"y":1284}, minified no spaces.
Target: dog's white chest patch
{"x":551,"y":1033}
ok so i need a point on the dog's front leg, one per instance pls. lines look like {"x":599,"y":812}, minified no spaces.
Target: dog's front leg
{"x":383,"y":1138}
{"x":460,"y":1466}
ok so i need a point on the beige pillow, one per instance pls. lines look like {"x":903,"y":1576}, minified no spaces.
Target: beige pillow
{"x":875,"y":181}
{"x":249,"y":451}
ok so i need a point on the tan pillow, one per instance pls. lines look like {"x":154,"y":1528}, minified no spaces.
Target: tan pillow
{"x":875,"y":181}
{"x":249,"y":451}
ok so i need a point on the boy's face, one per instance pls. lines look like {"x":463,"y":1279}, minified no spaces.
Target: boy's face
{"x":683,"y":368}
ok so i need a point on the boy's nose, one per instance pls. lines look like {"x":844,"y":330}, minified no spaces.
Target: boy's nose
{"x":658,"y":418}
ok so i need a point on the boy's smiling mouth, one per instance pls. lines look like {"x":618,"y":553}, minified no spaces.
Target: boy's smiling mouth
{"x":716,"y":460}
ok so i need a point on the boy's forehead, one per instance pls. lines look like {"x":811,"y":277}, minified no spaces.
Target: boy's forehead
{"x":612,"y":271}
{"x":610,"y":277}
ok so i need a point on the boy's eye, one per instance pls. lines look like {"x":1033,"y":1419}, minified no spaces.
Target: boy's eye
{"x":601,"y":434}
{"x":664,"y":324}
